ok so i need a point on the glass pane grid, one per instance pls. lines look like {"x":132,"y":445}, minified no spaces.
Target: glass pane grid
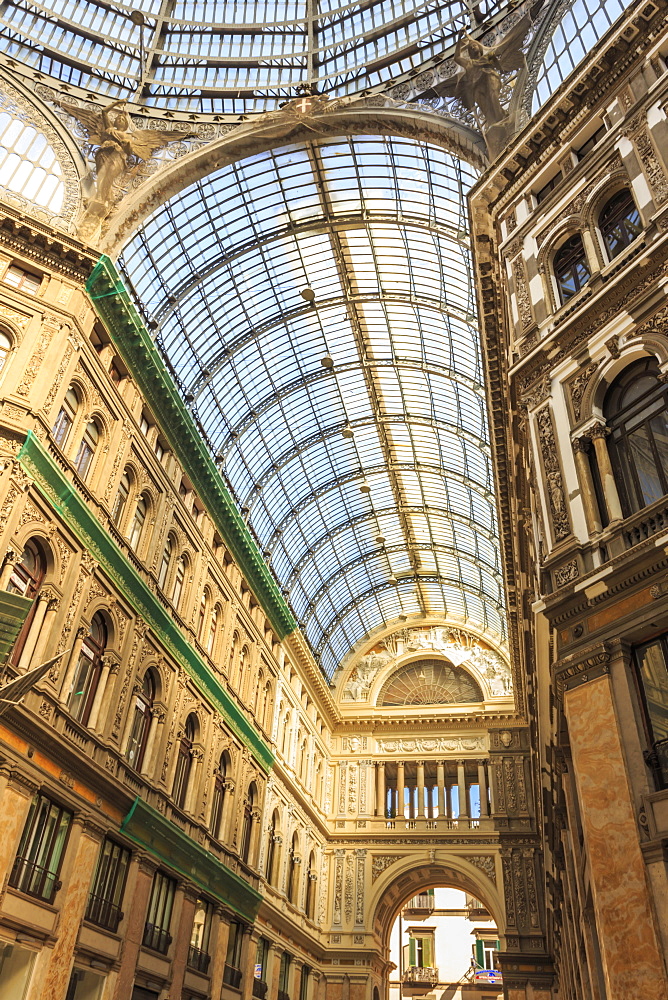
{"x":354,"y":414}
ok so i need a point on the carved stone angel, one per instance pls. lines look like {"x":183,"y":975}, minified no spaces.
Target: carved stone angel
{"x":477,"y":85}
{"x":118,"y":147}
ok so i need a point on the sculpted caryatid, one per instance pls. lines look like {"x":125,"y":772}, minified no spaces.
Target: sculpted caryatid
{"x":118,"y":148}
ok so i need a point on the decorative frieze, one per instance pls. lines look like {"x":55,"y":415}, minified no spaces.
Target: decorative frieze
{"x":435,"y":744}
{"x":552,"y":468}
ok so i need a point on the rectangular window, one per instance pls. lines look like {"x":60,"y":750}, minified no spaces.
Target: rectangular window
{"x":104,"y":902}
{"x":16,"y":966}
{"x":592,"y":141}
{"x":158,"y":918}
{"x":303,"y":984}
{"x":232,"y":974}
{"x":35,"y":870}
{"x":85,"y":985}
{"x":198,"y":953}
{"x":18,"y":278}
{"x":548,"y":188}
{"x":651,"y":662}
{"x":284,"y":977}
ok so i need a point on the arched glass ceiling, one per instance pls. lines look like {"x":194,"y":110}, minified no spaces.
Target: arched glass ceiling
{"x":229,"y":57}
{"x":388,"y":352}
{"x":578,"y":30}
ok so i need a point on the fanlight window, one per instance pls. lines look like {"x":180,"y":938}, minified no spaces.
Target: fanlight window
{"x":28,"y":164}
{"x":571,"y":268}
{"x":430,"y":682}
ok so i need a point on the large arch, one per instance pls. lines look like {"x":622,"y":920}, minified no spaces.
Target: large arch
{"x":415,"y":872}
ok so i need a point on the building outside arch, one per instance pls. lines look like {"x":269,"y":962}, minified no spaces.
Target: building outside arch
{"x":332,"y":471}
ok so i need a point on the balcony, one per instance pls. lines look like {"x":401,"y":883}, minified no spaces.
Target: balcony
{"x":104,"y":913}
{"x":420,"y":905}
{"x":417,"y":980}
{"x":198,"y":959}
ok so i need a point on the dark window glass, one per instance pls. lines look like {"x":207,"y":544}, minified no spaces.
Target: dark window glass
{"x":65,"y":418}
{"x":159,"y":915}
{"x":284,"y":977}
{"x":651,"y":662}
{"x":218,"y":804}
{"x":303,"y":985}
{"x":247,"y":828}
{"x":198,"y":953}
{"x":232,"y":974}
{"x":636,"y":410}
{"x":121,"y":499}
{"x":619,"y":223}
{"x":547,"y":188}
{"x":35,"y":870}
{"x":165,"y":561}
{"x":183,"y":764}
{"x":89,"y":442}
{"x":141,"y":722}
{"x":26,"y":579}
{"x":87,"y":675}
{"x":592,"y":141}
{"x":138,"y":521}
{"x":570,"y":268}
{"x":104,"y":902}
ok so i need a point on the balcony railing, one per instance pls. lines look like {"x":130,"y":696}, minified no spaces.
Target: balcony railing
{"x":420,"y":976}
{"x":657,"y":761}
{"x":34,"y":880}
{"x":259,"y":989}
{"x":424,"y":903}
{"x":103,"y":912}
{"x":232,"y":976}
{"x":198,"y":959}
{"x":157,"y":938}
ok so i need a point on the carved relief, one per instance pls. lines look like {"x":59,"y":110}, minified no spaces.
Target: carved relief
{"x":343,"y":774}
{"x":640,"y":136}
{"x":360,"y":860}
{"x":339,"y":862}
{"x":379,"y":862}
{"x":58,"y":377}
{"x":553,"y":481}
{"x":522,"y":292}
{"x":349,"y":889}
{"x":578,"y":386}
{"x":49,"y":328}
{"x":567,"y":573}
{"x":352,"y":788}
{"x":486,"y":864}
{"x":436,"y":744}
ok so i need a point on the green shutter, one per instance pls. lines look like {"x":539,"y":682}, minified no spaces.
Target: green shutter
{"x":14,"y":610}
{"x":412,"y":960}
{"x":480,"y":953}
{"x":427,"y":962}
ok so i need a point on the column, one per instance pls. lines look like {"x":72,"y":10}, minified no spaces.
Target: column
{"x":220,"y":932}
{"x":51,"y":607}
{"x":248,"y":964}
{"x":380,"y":789}
{"x":134,"y":931}
{"x":461,"y":786}
{"x":16,"y":794}
{"x":83,"y":850}
{"x":598,"y":433}
{"x":587,"y":492}
{"x":158,"y":716}
{"x":229,"y":805}
{"x":482,"y":784}
{"x":440,"y":781}
{"x":8,"y":567}
{"x":631,"y":954}
{"x":183,"y":923}
{"x":420,"y":789}
{"x":400,"y":788}
{"x":33,"y":632}
{"x":108,"y":663}
{"x":490,"y":785}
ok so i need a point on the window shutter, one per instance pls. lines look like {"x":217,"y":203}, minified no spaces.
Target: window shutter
{"x":427,"y":962}
{"x":411,"y":952}
{"x":480,"y":954}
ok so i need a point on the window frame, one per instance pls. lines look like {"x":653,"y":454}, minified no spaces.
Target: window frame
{"x":606,"y":226}
{"x":92,"y":658}
{"x":159,"y":911}
{"x":570,"y":268}
{"x":51,"y":828}
{"x":108,"y":886}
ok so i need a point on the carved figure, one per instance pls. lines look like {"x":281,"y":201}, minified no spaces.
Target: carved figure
{"x":118,"y":147}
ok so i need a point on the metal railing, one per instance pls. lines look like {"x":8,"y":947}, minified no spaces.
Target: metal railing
{"x":103,"y":912}
{"x":198,"y":959}
{"x":34,"y":880}
{"x":418,"y":974}
{"x":657,"y":761}
{"x":157,"y":938}
{"x":259,"y":989}
{"x":232,"y":976}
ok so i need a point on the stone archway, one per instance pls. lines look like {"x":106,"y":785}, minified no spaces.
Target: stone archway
{"x":276,"y":130}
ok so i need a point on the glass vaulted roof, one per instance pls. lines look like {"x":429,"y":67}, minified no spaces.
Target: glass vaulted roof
{"x":229,"y":56}
{"x":316,"y":305}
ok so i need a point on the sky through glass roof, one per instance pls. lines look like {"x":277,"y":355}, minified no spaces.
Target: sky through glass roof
{"x":351,"y":428}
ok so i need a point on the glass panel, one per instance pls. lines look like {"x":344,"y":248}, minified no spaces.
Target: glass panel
{"x":16,"y":966}
{"x":652,"y":665}
{"x":645,"y":465}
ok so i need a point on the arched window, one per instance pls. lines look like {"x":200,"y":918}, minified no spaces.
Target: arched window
{"x":287,"y":733}
{"x":141,"y":722}
{"x":138,"y":521}
{"x":247,"y":828}
{"x":636,"y":411}
{"x":201,"y":620}
{"x":165,"y":561}
{"x":184,"y":762}
{"x":311,"y":879}
{"x":268,"y":707}
{"x":294,"y":864}
{"x":619,"y":222}
{"x":213,"y":629}
{"x":121,"y":498}
{"x":5,"y":347}
{"x":26,"y":579}
{"x":218,"y":805}
{"x":87,"y":674}
{"x":87,"y":448}
{"x":241,"y":675}
{"x":65,"y":418}
{"x":571,"y":268}
{"x":272,"y":849}
{"x":179,"y":580}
